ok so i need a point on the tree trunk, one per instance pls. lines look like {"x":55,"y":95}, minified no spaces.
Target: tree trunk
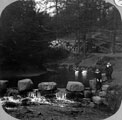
{"x":113,"y":42}
{"x":78,"y":26}
{"x":84,"y":48}
{"x":114,"y":31}
{"x":56,"y":6}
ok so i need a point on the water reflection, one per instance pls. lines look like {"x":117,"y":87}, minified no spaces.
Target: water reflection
{"x":59,"y":74}
{"x":64,"y":75}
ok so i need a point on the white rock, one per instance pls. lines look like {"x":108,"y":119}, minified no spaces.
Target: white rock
{"x":97,"y":99}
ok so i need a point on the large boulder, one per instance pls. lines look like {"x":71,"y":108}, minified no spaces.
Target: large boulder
{"x":25,"y":85}
{"x":3,"y":86}
{"x":47,"y":86}
{"x":74,"y":86}
{"x":47,"y":89}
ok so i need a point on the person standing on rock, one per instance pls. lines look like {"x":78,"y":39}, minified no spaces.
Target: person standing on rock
{"x":109,"y":71}
{"x":98,"y":77}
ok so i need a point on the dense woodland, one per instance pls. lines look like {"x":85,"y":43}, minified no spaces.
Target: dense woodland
{"x":26,"y":30}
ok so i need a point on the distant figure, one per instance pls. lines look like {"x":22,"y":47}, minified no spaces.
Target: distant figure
{"x":84,"y":73}
{"x":109,"y":71}
{"x":98,"y":77}
{"x":76,"y":73}
{"x":104,"y":78}
{"x":98,"y":74}
{"x":99,"y":84}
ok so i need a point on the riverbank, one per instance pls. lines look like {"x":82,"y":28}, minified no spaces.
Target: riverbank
{"x":91,"y":60}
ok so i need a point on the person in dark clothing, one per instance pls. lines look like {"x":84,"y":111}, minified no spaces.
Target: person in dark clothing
{"x":98,"y":77}
{"x":109,"y":71}
{"x":99,"y":84}
{"x":98,"y":74}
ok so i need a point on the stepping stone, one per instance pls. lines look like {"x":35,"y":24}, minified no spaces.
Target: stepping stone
{"x":25,"y":85}
{"x":47,"y":86}
{"x":74,"y":86}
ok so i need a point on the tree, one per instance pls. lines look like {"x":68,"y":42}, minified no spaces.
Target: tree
{"x":84,"y":16}
{"x":25,"y":34}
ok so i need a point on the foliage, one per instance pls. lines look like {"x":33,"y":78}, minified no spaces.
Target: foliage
{"x":103,"y":60}
{"x":85,"y":16}
{"x":27,"y":30}
{"x":114,"y":97}
{"x":25,"y":34}
{"x":57,"y":53}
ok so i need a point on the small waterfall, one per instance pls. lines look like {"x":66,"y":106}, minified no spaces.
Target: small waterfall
{"x":61,"y":96}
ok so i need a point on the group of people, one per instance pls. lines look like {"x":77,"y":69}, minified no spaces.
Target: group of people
{"x":98,"y":74}
{"x":108,"y":74}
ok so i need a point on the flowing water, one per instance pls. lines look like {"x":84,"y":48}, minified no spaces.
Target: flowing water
{"x":58,"y":108}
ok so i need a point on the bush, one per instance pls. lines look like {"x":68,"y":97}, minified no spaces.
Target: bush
{"x":57,"y":53}
{"x":103,"y":60}
{"x":114,"y":97}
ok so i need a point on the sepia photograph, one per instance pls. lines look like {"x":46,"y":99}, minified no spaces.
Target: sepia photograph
{"x":60,"y":59}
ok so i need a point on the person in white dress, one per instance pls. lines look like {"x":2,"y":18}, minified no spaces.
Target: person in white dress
{"x":76,"y":73}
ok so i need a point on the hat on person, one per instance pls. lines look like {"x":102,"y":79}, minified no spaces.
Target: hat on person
{"x":97,"y":71}
{"x":108,"y":64}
